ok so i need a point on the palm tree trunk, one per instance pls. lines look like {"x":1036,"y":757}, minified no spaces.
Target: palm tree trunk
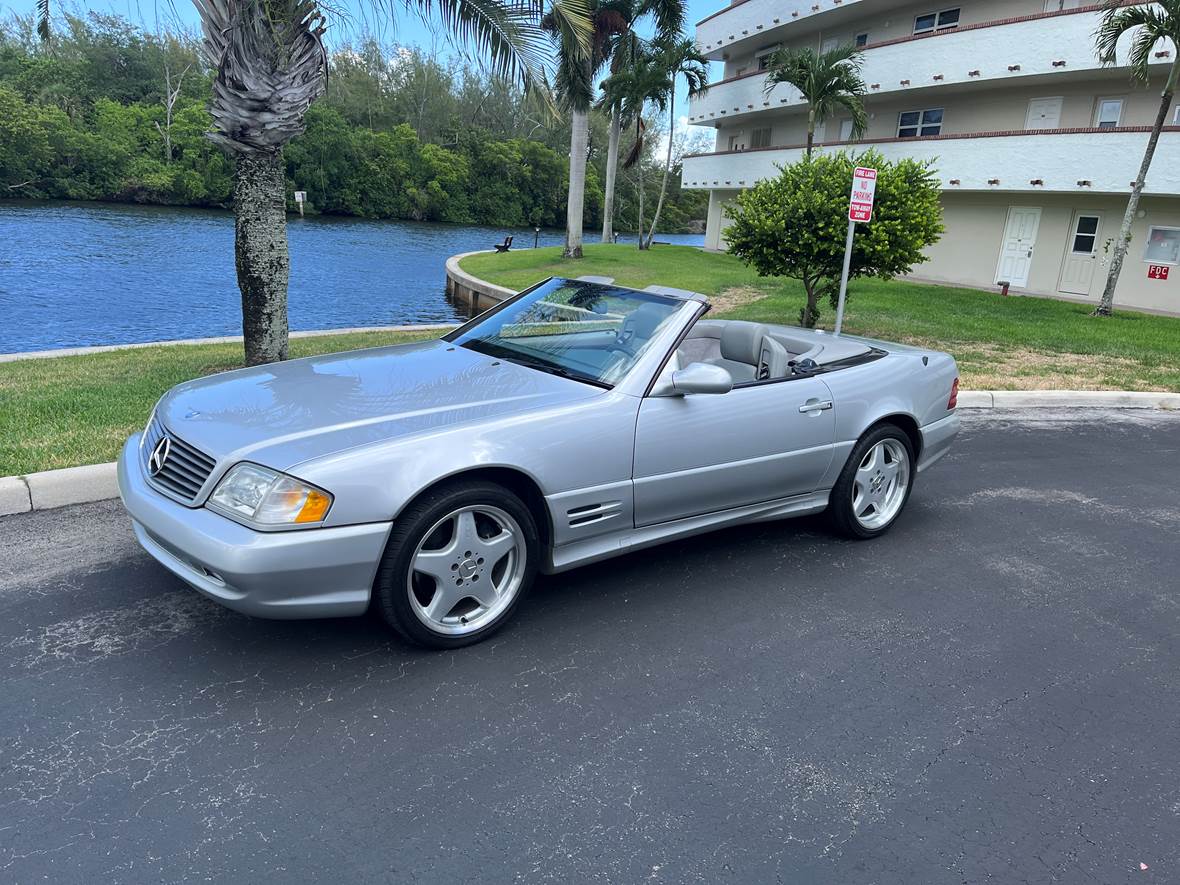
{"x":667,"y":168}
{"x":612,"y":168}
{"x":261,"y":256}
{"x":810,"y":130}
{"x":579,"y":139}
{"x":1106,"y":306}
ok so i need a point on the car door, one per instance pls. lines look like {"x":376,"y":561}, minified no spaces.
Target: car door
{"x":708,"y":452}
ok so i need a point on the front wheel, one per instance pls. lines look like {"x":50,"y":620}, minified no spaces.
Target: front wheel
{"x":457,"y":564}
{"x":875,"y":484}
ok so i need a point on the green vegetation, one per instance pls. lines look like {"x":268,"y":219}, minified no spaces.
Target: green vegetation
{"x":111,"y":112}
{"x":79,"y":409}
{"x":1001,"y":343}
{"x":795,"y":225}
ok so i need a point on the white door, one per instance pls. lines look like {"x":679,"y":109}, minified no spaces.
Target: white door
{"x":1020,"y":238}
{"x":829,"y":44}
{"x":1081,"y":254}
{"x":1044,"y":113}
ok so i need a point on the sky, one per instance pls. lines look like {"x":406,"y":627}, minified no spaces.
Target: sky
{"x":356,"y":18}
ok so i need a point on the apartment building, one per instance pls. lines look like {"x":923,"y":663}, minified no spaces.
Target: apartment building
{"x":1035,"y":143}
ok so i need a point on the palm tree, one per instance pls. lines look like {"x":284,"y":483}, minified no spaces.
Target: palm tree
{"x":828,"y":81}
{"x":270,"y":66}
{"x":628,"y":92}
{"x":679,"y":59}
{"x":1155,"y":23}
{"x":613,"y":33}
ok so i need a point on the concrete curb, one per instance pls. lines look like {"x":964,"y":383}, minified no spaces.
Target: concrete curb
{"x":97,"y":482}
{"x":478,"y":295}
{"x":226,"y":339}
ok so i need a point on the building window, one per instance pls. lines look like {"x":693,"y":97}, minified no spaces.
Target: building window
{"x":735,"y":142}
{"x":1163,"y":245}
{"x":1110,"y":113}
{"x":1085,"y":235}
{"x":861,"y":40}
{"x":936,"y":21}
{"x":845,"y":130}
{"x":911,"y":124}
{"x":762,"y":56}
{"x":760,"y":138}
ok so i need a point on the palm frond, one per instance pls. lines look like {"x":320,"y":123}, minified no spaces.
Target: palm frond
{"x":271,"y":65}
{"x":1150,"y":25}
{"x":44,"y":21}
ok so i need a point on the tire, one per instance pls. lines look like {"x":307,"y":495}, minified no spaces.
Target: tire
{"x":447,"y":581}
{"x":878,"y":489}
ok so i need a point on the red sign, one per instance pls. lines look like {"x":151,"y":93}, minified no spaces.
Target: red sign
{"x":1157,"y":271}
{"x":864,"y":189}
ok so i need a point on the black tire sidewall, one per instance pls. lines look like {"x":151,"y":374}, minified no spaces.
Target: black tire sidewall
{"x":840,"y":503}
{"x":390,"y":591}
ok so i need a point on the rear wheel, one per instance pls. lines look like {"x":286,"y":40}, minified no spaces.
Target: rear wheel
{"x":875,"y":484}
{"x":457,"y":564}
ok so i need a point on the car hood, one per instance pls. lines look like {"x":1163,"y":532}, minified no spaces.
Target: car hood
{"x":284,"y":413}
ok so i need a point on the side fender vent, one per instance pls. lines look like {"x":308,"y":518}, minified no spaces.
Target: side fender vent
{"x":591,"y":513}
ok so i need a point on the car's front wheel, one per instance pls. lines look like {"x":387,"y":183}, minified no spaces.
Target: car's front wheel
{"x":875,"y":484}
{"x":458,"y":562}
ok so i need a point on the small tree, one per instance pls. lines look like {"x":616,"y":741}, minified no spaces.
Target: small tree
{"x":828,"y":81}
{"x":795,"y":225}
{"x":1151,"y":25}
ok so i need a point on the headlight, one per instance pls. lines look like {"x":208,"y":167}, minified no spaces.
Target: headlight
{"x":267,"y":497}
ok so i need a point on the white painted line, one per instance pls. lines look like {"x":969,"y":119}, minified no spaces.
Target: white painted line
{"x":229,"y":339}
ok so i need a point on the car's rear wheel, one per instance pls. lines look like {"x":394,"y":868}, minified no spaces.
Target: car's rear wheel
{"x":875,"y":484}
{"x":458,"y":562}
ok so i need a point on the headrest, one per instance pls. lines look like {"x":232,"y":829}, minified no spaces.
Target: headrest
{"x":644,"y":320}
{"x":742,"y":342}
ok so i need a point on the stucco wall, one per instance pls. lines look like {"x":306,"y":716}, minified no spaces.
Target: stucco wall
{"x":969,"y":251}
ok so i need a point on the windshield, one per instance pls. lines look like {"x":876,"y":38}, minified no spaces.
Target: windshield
{"x":585,"y":331}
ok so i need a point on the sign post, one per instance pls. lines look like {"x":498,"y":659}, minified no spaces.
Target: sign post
{"x":860,"y":208}
{"x":300,"y":199}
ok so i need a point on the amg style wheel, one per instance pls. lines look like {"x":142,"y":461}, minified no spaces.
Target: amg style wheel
{"x":457,"y":564}
{"x":875,"y":484}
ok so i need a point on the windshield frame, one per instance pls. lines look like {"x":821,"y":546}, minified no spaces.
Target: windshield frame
{"x":537,"y":361}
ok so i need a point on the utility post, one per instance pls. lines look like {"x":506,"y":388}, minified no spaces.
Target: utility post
{"x":300,"y":199}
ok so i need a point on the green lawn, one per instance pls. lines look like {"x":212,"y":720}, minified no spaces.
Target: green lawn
{"x":1014,"y":343}
{"x":79,"y":409}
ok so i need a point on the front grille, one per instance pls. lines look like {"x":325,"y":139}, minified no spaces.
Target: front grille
{"x":185,"y":469}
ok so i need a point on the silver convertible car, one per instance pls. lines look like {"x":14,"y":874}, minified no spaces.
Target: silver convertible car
{"x":576,"y":421}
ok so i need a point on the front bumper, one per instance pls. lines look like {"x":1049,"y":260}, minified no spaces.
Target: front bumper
{"x":313,"y":573}
{"x":937,"y":438}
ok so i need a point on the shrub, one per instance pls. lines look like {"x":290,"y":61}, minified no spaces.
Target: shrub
{"x":795,"y":225}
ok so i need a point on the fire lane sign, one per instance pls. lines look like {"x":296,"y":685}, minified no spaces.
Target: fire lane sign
{"x":864,"y":189}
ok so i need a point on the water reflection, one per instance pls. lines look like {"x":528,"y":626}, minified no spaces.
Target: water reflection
{"x":79,"y":274}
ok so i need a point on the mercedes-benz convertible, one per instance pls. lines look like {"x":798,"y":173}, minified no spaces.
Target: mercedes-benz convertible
{"x":576,"y":421}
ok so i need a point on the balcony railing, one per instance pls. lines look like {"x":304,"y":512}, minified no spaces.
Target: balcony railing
{"x":1005,"y":50}
{"x":1040,"y":160}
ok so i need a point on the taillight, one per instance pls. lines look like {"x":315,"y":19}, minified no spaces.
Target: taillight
{"x":954,"y":400}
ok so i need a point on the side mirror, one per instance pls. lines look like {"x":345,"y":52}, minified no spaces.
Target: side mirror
{"x":699,"y":378}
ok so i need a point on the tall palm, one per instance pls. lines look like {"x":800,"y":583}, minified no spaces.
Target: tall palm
{"x":628,"y":92}
{"x":676,"y":60}
{"x":613,"y":23}
{"x":1153,"y":24}
{"x":270,"y":66}
{"x":668,"y":18}
{"x":828,"y":82}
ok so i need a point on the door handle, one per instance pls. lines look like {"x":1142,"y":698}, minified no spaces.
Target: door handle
{"x":814,"y":405}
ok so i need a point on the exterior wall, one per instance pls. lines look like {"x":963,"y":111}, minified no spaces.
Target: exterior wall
{"x":718,"y":221}
{"x":969,"y":251}
{"x":1063,"y":162}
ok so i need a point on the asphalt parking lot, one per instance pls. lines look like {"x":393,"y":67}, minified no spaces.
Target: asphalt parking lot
{"x":990,"y":693}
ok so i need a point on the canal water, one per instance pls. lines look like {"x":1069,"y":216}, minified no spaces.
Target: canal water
{"x":76,"y":274}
